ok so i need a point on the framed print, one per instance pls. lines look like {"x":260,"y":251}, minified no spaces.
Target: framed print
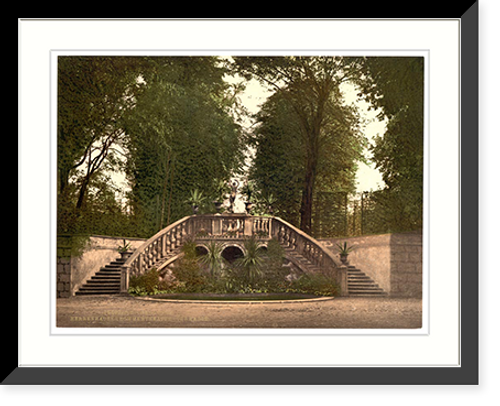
{"x":249,"y":208}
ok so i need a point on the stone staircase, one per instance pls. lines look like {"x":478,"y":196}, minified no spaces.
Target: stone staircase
{"x":300,"y":261}
{"x":358,"y":283}
{"x":361,"y":285}
{"x":106,"y":281}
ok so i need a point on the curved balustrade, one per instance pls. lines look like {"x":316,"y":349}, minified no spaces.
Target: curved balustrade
{"x":229,"y":226}
{"x":157,"y":247}
{"x":308,"y":247}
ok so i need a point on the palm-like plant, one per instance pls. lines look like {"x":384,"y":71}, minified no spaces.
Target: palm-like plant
{"x":196,"y":199}
{"x":269,"y":202}
{"x":252,"y":261}
{"x":213,"y":259}
{"x":344,"y":251}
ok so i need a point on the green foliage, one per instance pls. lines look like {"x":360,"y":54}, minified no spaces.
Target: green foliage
{"x":344,"y":249}
{"x":182,"y":138}
{"x":71,"y":245}
{"x":187,"y":270}
{"x":317,"y":284}
{"x":213,"y":259}
{"x":94,"y":95}
{"x":125,"y":247}
{"x":167,"y":121}
{"x":259,"y":271}
{"x":282,"y":155}
{"x":145,"y":284}
{"x":196,"y":198}
{"x":396,"y":87}
{"x":308,"y":88}
{"x":252,"y":262}
{"x":189,"y":275}
{"x":278,"y":165}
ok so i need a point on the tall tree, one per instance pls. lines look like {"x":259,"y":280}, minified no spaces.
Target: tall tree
{"x":181,"y":137}
{"x":308,"y":85}
{"x":396,"y":85}
{"x":94,"y":93}
{"x":279,"y":157}
{"x":279,"y":166}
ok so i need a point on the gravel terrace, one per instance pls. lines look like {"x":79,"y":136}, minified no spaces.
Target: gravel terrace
{"x":345,"y":313}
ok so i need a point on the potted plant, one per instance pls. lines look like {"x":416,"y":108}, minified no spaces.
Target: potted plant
{"x":221,"y":190}
{"x":124,"y":250}
{"x":269,"y":203}
{"x":195,"y":200}
{"x":344,"y":251}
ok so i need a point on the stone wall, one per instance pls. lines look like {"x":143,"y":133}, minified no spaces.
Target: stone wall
{"x":406,"y":265}
{"x":76,"y":266}
{"x":393,"y":261}
{"x":63,"y":268}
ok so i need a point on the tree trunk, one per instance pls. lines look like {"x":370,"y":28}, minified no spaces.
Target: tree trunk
{"x":164,"y":192}
{"x":81,"y":194}
{"x":306,"y":206}
{"x":312,"y":135}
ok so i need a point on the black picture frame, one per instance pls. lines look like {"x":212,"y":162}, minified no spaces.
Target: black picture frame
{"x":466,"y":374}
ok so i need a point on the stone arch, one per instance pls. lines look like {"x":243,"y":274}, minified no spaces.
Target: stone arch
{"x":201,"y":250}
{"x":263,"y":246}
{"x":232,"y":252}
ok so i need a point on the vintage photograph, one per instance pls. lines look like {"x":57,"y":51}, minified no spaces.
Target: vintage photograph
{"x":242,"y":192}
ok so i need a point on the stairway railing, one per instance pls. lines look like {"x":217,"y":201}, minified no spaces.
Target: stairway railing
{"x":229,"y":226}
{"x":290,"y":236}
{"x":157,"y":247}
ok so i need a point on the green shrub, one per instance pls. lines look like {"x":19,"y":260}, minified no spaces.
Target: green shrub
{"x":187,"y":270}
{"x":250,"y":267}
{"x":147,"y":283}
{"x":213,"y":260}
{"x":316,"y":284}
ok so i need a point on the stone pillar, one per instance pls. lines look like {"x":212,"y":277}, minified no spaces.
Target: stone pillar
{"x":124,"y":281}
{"x":342,"y":280}
{"x":248,"y":226}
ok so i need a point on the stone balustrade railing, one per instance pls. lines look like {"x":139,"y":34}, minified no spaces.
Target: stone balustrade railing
{"x":230,"y":226}
{"x":302,"y":243}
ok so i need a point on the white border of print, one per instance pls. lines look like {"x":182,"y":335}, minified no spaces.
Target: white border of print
{"x":439,"y":347}
{"x":197,"y":331}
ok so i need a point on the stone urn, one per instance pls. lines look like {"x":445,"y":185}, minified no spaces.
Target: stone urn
{"x":124,"y":255}
{"x":218,"y":206}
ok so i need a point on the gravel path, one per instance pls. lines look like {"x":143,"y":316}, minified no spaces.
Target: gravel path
{"x":124,"y":311}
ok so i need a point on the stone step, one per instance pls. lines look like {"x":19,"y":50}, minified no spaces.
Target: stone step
{"x":359,"y":288}
{"x":106,"y":281}
{"x":363,"y":282}
{"x":97,"y":292}
{"x":101,"y":276}
{"x":108,"y":272}
{"x":358,"y":283}
{"x":364,"y":288}
{"x":102,"y":282}
{"x":373,"y":286}
{"x":99,"y":286}
{"x":112,"y":267}
{"x":361,"y":285}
